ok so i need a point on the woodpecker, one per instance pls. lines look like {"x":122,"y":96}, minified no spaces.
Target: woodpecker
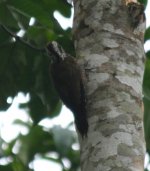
{"x":68,"y":81}
{"x":136,"y":12}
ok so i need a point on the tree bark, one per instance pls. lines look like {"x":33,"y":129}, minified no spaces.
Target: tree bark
{"x":111,"y":53}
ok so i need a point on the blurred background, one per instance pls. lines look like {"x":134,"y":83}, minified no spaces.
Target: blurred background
{"x":36,"y":130}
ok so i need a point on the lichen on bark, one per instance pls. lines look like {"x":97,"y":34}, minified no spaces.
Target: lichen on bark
{"x":111,"y":53}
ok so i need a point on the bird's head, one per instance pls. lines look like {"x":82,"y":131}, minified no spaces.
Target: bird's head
{"x":55,"y":51}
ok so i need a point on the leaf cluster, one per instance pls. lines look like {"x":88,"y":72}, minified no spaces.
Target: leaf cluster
{"x":146,"y":89}
{"x":39,"y":143}
{"x":24,"y":67}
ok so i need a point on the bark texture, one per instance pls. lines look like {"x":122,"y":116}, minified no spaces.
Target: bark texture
{"x":112,"y":54}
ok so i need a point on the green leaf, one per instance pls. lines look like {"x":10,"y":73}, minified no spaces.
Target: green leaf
{"x":32,"y":9}
{"x":143,"y":2}
{"x":146,"y":122}
{"x":44,"y":86}
{"x":68,"y":139}
{"x":146,"y":79}
{"x":22,"y":123}
{"x":147,"y":34}
{"x":67,"y":42}
{"x":5,"y":76}
{"x":61,"y":5}
{"x":37,"y":109}
{"x":37,"y":141}
{"x":23,"y":20}
{"x":146,"y":100}
{"x":64,"y":8}
{"x":6,"y":168}
{"x":6,"y":17}
{"x":34,"y":34}
{"x":5,"y":37}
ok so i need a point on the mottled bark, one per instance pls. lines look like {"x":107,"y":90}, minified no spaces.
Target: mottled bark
{"x":112,"y":54}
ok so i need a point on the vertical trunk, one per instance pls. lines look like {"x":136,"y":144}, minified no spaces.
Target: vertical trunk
{"x":112,"y":54}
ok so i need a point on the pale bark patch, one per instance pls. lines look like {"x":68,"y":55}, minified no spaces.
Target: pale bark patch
{"x":110,"y":43}
{"x":109,"y":27}
{"x":95,"y":60}
{"x":95,"y":80}
{"x":131,"y":82}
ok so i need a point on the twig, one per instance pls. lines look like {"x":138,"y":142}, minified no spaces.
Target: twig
{"x":20,"y":39}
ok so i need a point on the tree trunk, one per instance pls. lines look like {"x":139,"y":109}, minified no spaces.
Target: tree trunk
{"x":111,"y":52}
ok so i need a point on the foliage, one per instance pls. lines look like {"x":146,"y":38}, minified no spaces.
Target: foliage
{"x":24,"y":62}
{"x":24,"y":67}
{"x":143,"y":2}
{"x":39,"y":142}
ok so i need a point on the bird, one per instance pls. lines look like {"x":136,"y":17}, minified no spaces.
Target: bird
{"x":68,"y":81}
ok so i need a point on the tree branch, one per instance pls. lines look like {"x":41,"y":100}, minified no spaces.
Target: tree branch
{"x":20,"y":39}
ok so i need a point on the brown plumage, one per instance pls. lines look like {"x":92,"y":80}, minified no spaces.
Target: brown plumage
{"x":67,"y":78}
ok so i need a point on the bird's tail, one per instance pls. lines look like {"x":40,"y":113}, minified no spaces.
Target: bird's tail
{"x":82,"y":124}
